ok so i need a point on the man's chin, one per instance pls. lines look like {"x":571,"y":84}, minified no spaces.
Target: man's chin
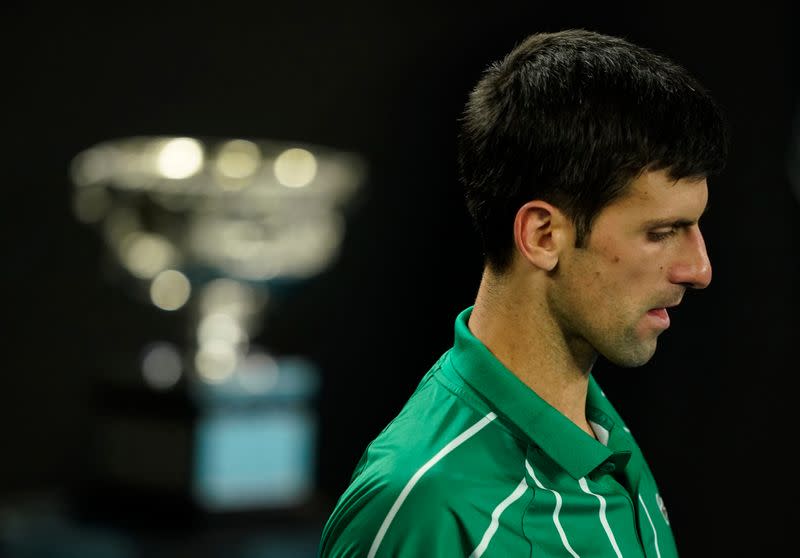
{"x":632,"y":357}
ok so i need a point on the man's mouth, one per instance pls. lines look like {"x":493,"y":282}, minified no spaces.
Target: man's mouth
{"x":661,"y":315}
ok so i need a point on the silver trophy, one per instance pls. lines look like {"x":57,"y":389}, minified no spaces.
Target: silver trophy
{"x":213,"y":228}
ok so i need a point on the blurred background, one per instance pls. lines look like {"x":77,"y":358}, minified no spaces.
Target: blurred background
{"x":165,"y":394}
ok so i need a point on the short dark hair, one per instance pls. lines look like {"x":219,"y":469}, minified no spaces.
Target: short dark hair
{"x":571,"y":118}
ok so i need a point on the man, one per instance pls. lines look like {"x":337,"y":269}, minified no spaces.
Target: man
{"x":585,"y":160}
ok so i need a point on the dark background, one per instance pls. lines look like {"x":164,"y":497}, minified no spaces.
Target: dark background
{"x":714,"y":411}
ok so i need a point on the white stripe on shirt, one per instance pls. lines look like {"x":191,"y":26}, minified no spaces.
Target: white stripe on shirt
{"x":498,"y":511}
{"x":655,"y":535}
{"x":460,"y":439}
{"x":603,"y":519}
{"x":560,"y":529}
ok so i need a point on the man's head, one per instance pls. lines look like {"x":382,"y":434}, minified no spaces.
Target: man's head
{"x":571,"y":118}
{"x":585,"y":161}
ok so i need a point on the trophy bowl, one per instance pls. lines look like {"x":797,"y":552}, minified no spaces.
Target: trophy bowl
{"x":213,"y":229}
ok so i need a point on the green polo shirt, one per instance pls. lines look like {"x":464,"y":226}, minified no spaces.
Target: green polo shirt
{"x":477,"y":464}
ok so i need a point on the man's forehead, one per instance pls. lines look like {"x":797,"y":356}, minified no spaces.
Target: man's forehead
{"x":658,"y":188}
{"x":654,"y":199}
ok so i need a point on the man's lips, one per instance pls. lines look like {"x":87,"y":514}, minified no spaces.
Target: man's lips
{"x":660,"y":315}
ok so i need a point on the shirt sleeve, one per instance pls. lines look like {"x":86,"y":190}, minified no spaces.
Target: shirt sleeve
{"x":423,"y":525}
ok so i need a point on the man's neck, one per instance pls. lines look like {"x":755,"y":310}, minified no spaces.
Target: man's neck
{"x":516,"y":326}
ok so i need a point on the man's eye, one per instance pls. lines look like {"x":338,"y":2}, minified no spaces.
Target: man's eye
{"x":659,"y":236}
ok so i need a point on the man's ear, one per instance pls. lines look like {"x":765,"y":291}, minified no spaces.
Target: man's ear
{"x":540,"y":233}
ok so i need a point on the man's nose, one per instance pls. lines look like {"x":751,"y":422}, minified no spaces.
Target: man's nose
{"x":692,"y":267}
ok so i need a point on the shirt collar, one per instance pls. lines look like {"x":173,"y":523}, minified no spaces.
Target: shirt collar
{"x":560,"y":438}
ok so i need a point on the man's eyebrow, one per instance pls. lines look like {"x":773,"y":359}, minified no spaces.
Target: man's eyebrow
{"x":678,"y":223}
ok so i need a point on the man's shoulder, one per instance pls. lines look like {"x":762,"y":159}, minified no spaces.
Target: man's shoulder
{"x":423,"y":473}
{"x":431,"y":454}
{"x":419,"y":481}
